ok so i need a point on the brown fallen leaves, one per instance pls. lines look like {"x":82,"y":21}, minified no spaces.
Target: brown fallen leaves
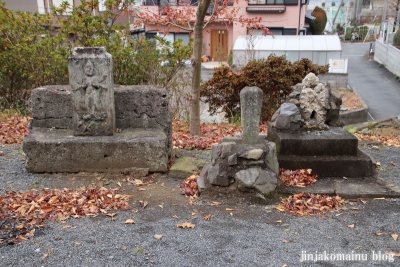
{"x":22,"y":212}
{"x":211,"y":133}
{"x":13,"y":129}
{"x":387,"y":140}
{"x":189,"y":186}
{"x":186,"y":225}
{"x":299,"y":178}
{"x":304,"y":204}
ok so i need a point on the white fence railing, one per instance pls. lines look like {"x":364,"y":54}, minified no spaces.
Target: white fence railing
{"x":388,"y":55}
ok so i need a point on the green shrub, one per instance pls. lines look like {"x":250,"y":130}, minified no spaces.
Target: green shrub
{"x":396,"y":39}
{"x":274,"y":76}
{"x":33,"y":53}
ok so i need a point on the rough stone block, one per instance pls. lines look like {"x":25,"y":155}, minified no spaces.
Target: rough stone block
{"x":54,"y":150}
{"x":335,"y":141}
{"x":51,"y":106}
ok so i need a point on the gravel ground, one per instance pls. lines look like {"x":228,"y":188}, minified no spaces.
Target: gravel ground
{"x":253,"y":234}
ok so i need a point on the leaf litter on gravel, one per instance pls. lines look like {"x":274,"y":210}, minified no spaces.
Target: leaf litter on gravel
{"x":299,"y":178}
{"x":304,"y":204}
{"x":21,"y":213}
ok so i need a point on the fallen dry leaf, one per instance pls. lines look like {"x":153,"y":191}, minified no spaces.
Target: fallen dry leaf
{"x":13,"y":129}
{"x":394,"y":163}
{"x":1,"y":153}
{"x":379,"y":233}
{"x":215,"y":204}
{"x":350,"y":225}
{"x":75,"y":244}
{"x":278,"y":221}
{"x":175,"y":217}
{"x":186,"y":225}
{"x":378,"y":163}
{"x":299,"y":178}
{"x":158,"y":236}
{"x":119,"y":184}
{"x":229,"y":209}
{"x":189,"y":186}
{"x":208,"y":217}
{"x":142,"y":189}
{"x":379,"y":198}
{"x":395,"y":236}
{"x":286,"y":241}
{"x":303,"y":204}
{"x":394,"y":253}
{"x":67,"y":226}
{"x":111,"y":214}
{"x":129,"y":221}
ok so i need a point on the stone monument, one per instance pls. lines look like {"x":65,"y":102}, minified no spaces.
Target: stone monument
{"x":92,"y":83}
{"x":247,"y":162}
{"x":93,"y":125}
{"x":306,"y":133}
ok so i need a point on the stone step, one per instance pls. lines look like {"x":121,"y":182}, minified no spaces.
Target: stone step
{"x":330,"y":166}
{"x":334,"y":142}
{"x":350,"y":188}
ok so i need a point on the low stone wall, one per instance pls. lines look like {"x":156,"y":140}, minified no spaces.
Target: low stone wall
{"x":335,"y":80}
{"x":355,"y":116}
{"x":136,"y":107}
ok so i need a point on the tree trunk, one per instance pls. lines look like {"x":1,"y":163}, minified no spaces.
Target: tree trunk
{"x":196,"y":64}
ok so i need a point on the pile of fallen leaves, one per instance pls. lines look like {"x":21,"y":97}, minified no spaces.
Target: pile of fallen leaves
{"x":304,"y":204}
{"x":21,"y":213}
{"x":211,"y":134}
{"x":13,"y":129}
{"x":299,"y":178}
{"x":387,"y":140}
{"x":189,"y":186}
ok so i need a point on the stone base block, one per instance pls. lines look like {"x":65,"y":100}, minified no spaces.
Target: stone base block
{"x":330,"y":166}
{"x":58,"y":150}
{"x":334,"y":142}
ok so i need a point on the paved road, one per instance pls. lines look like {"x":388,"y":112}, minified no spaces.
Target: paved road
{"x":377,"y":86}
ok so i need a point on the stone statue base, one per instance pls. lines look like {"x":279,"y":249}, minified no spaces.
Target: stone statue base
{"x":58,"y":150}
{"x":246,"y":167}
{"x":329,"y":153}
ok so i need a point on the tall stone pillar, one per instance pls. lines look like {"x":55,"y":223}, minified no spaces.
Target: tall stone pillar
{"x":91,"y":79}
{"x":251,"y":99}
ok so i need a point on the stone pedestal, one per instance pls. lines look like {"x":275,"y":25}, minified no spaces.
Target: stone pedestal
{"x":329,"y":153}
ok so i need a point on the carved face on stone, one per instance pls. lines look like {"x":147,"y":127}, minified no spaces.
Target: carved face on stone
{"x":88,"y":68}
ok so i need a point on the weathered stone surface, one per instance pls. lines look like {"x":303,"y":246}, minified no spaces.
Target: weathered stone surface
{"x":310,"y":80}
{"x":252,"y":154}
{"x":184,"y":167}
{"x":51,"y":106}
{"x":251,"y":103}
{"x":335,"y":141}
{"x":271,"y":158}
{"x":202,"y":181}
{"x":52,"y":150}
{"x":92,"y":82}
{"x":232,"y":159}
{"x":136,"y":172}
{"x":318,"y":106}
{"x":217,"y":176}
{"x":266,"y":182}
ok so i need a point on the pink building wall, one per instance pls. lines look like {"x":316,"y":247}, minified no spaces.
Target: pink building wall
{"x":288,"y":19}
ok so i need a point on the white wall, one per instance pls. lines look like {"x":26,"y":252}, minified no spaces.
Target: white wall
{"x":388,"y":55}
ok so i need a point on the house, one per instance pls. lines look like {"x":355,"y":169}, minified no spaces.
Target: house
{"x":281,"y":17}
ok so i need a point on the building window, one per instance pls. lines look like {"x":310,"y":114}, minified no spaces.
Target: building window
{"x":273,"y":2}
{"x":58,"y":3}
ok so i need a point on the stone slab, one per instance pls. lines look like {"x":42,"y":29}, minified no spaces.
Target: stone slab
{"x":351,"y":188}
{"x":185,"y":167}
{"x":335,"y":141}
{"x":58,"y":150}
{"x":330,"y":166}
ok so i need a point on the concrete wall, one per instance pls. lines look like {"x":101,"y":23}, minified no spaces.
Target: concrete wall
{"x":336,"y":80}
{"x":388,"y":55}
